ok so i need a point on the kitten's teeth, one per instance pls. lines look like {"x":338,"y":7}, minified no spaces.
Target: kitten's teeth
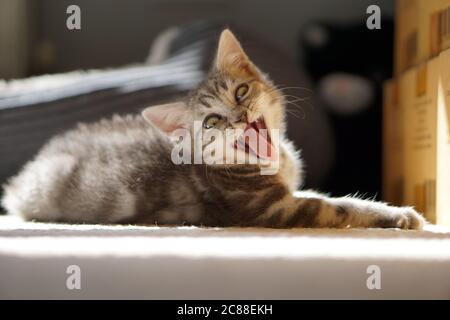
{"x":264,"y":148}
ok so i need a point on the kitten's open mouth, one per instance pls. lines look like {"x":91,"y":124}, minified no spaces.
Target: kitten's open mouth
{"x":256,"y":140}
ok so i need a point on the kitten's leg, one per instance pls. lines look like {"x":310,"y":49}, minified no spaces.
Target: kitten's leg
{"x":308,"y":209}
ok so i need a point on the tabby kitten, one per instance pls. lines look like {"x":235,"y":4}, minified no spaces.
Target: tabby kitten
{"x":121,"y":170}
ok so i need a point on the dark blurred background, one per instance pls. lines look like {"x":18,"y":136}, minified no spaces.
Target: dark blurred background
{"x":332,"y":64}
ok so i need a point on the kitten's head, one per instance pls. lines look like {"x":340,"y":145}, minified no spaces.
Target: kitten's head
{"x":235,"y":103}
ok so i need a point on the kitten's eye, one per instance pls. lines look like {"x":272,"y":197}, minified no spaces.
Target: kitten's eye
{"x":241,"y":91}
{"x":211,"y":121}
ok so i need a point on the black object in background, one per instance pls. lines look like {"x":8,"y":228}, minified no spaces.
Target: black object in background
{"x":348,"y":64}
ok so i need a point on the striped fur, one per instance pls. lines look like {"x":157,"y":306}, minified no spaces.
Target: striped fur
{"x":120,"y":170}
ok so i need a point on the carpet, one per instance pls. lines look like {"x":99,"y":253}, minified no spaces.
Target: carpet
{"x":137,"y":262}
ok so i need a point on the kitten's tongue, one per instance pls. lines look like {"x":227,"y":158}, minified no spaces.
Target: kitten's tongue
{"x":263,"y":147}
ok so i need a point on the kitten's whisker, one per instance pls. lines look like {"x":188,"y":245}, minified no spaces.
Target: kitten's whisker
{"x":301,"y":100}
{"x":298,"y":108}
{"x":293,"y":113}
{"x":280,"y":89}
{"x":285,"y":96}
{"x":296,"y":88}
{"x":292,"y":96}
{"x":288,"y":102}
{"x":293,"y":101}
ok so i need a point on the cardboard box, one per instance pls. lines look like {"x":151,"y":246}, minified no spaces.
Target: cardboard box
{"x":422,"y":31}
{"x":406,"y":35}
{"x":425,"y":100}
{"x":443,"y":138}
{"x":433,"y":28}
{"x":444,"y":28}
{"x":392,"y":145}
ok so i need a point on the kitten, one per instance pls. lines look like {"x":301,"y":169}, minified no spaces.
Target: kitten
{"x":122,"y":171}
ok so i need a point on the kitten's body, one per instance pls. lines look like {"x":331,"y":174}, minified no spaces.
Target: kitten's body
{"x":121,"y":171}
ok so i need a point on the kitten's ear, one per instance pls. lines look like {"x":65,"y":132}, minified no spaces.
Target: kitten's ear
{"x":167,"y":117}
{"x":231,"y":57}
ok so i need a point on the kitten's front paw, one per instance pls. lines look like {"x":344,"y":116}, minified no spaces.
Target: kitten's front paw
{"x":404,"y":218}
{"x":415,"y":220}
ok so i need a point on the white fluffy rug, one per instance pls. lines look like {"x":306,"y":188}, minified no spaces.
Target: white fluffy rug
{"x":202,"y":263}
